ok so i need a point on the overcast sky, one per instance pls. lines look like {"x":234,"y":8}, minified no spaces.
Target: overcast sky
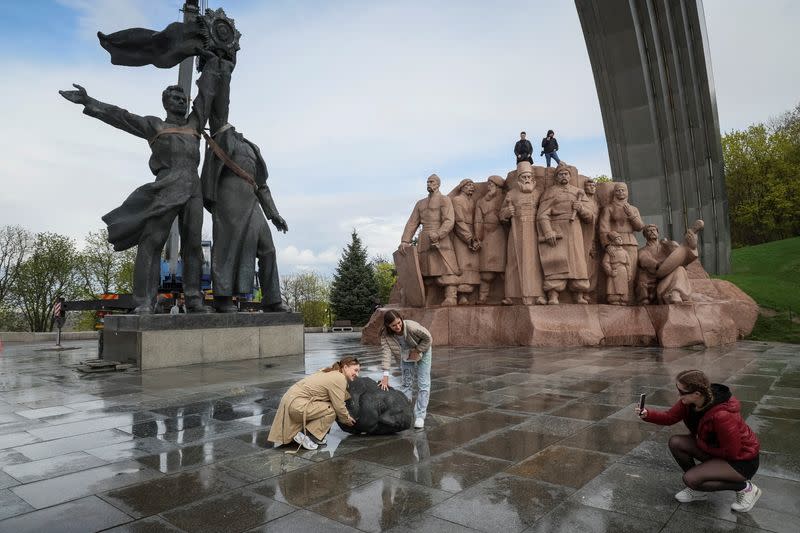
{"x":353,"y":103}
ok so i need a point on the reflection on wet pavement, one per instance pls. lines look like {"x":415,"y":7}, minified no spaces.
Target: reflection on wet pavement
{"x":517,"y":438}
{"x":380,"y":505}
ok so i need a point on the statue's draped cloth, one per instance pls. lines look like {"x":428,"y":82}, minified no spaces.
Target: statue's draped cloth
{"x":136,"y":47}
{"x":175,"y":168}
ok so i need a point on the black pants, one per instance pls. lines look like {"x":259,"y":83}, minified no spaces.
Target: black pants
{"x":712,"y":474}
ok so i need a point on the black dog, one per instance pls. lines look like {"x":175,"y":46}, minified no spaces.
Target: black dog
{"x":377,"y":412}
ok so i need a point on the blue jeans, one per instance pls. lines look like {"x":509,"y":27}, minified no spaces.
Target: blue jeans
{"x":552,"y":155}
{"x":421,"y":372}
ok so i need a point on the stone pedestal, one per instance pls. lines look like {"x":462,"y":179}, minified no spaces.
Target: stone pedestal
{"x":721,"y":313}
{"x":158,"y":341}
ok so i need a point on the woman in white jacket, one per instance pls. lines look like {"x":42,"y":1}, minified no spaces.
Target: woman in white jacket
{"x":410,"y":343}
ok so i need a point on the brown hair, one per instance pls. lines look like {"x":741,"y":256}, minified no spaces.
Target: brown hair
{"x":342,"y":363}
{"x":388,"y":317}
{"x":696,"y":381}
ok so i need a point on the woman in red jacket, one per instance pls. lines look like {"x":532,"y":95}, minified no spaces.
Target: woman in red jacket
{"x":724,"y":445}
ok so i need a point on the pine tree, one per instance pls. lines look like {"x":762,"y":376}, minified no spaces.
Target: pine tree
{"x":354,"y":292}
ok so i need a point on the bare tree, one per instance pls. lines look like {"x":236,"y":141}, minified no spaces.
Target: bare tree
{"x":15,"y":244}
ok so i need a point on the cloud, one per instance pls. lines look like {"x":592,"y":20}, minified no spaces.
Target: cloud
{"x":411,"y":86}
{"x":108,"y":17}
{"x":756,"y":72}
{"x":353,"y":104}
{"x":306,"y":259}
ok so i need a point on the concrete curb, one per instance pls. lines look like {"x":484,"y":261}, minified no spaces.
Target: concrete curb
{"x":27,"y":336}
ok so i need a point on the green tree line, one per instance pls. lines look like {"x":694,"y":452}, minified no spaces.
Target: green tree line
{"x":35,"y":269}
{"x":762,"y":177}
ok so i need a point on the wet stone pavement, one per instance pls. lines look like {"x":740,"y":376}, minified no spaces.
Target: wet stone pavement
{"x":517,"y":439}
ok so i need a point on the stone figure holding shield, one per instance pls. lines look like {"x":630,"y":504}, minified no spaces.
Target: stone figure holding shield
{"x":437,"y":259}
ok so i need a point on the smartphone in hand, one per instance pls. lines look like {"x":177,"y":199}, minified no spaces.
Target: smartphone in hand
{"x":642,"y":398}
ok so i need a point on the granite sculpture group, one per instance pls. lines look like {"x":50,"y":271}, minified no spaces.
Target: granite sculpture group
{"x":542,"y":241}
{"x":552,"y":236}
{"x":233,"y":185}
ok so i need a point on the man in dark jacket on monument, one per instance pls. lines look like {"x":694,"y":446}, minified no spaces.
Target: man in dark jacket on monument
{"x":550,"y":147}
{"x":523,"y":149}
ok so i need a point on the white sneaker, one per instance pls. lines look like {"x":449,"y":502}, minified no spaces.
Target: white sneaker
{"x":689,"y":495}
{"x":746,"y":499}
{"x":419,"y":423}
{"x":303,"y":440}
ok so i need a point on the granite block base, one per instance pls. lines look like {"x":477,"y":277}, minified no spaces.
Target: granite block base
{"x":721,"y":314}
{"x":159,"y":341}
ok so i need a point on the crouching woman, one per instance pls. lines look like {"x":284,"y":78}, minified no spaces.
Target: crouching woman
{"x":721,"y":451}
{"x":310,"y":406}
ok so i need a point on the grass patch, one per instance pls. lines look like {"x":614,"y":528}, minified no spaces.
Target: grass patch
{"x":770,"y":274}
{"x":778,"y":328}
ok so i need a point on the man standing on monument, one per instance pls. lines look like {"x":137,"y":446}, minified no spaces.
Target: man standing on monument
{"x":523,"y":269}
{"x":523,"y":149}
{"x":145,"y":217}
{"x":550,"y":148}
{"x":235,"y":192}
{"x":561,"y":243}
{"x":437,"y":260}
{"x":464,"y":242}
{"x":491,"y":235}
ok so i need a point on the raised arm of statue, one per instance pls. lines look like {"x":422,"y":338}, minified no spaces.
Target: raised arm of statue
{"x":635,"y":219}
{"x":207,"y":85}
{"x":144,"y":127}
{"x":218,"y":116}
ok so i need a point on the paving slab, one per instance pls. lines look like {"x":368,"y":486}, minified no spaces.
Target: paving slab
{"x":52,"y":467}
{"x":516,"y":439}
{"x":381,"y":504}
{"x":48,"y":492}
{"x":510,"y":501}
{"x":238,"y":510}
{"x":79,"y":516}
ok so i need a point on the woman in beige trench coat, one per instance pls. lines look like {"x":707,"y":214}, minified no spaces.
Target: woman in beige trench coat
{"x":310,"y":406}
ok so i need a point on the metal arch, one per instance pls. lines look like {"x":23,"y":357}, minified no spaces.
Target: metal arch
{"x":655,"y":85}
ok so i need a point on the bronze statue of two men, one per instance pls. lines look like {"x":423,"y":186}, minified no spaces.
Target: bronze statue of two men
{"x":233,"y":185}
